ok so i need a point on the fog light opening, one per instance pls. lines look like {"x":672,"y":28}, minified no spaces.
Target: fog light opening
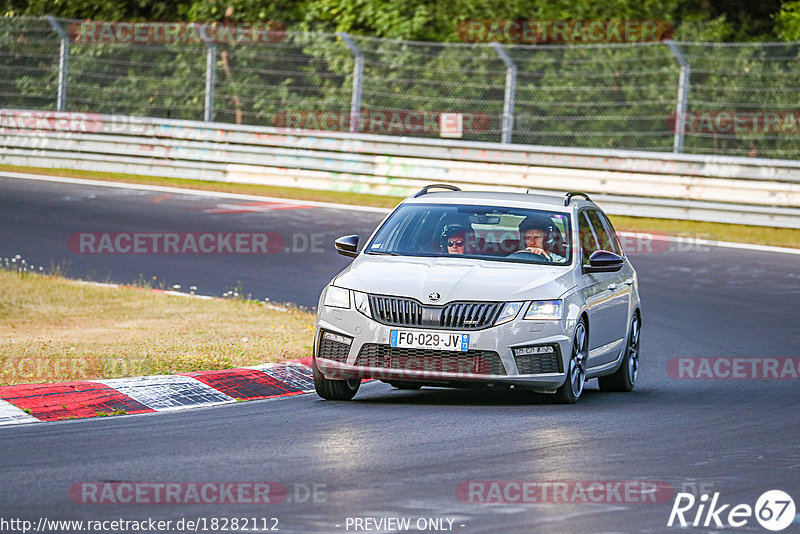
{"x":337,"y":338}
{"x":534,"y":350}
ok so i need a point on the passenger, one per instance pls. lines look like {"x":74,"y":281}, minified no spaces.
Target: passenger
{"x":454,"y":239}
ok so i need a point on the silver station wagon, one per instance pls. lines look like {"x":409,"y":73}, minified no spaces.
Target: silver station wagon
{"x":466,"y":289}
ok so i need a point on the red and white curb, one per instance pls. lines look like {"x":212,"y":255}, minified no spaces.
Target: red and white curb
{"x":31,"y":403}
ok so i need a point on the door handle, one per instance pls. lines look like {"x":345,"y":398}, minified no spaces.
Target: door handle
{"x":629,"y":282}
{"x":612,"y":287}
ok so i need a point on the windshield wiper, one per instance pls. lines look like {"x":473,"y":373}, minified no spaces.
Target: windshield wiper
{"x":382,"y":253}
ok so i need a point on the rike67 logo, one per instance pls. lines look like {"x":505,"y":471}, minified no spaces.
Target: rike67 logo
{"x":774,"y":510}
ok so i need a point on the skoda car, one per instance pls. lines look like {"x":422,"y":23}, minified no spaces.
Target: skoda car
{"x":482,"y":289}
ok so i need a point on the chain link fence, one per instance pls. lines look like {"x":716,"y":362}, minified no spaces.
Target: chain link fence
{"x":738,"y":99}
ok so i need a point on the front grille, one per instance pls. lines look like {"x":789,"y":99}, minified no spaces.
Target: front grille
{"x":534,"y":364}
{"x":469,"y":314}
{"x":398,"y":311}
{"x":480,"y":362}
{"x":332,"y":350}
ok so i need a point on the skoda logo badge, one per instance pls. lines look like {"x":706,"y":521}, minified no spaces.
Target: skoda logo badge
{"x":434,"y":296}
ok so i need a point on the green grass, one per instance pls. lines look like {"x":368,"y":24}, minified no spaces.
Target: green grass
{"x":109,"y":414}
{"x":760,"y":235}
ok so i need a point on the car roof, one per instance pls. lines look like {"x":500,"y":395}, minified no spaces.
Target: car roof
{"x":494,"y":198}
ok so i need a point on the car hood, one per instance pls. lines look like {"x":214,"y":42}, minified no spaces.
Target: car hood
{"x":455,"y":279}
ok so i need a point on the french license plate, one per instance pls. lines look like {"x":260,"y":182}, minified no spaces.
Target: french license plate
{"x":429,"y":340}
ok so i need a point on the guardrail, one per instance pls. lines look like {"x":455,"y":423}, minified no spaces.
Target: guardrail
{"x":704,"y":188}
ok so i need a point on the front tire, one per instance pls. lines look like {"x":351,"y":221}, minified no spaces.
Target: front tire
{"x":625,"y":377}
{"x":571,"y":390}
{"x":334,"y":389}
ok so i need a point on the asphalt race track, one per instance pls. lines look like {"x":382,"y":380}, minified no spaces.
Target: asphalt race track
{"x":39,"y":217}
{"x":404,"y":453}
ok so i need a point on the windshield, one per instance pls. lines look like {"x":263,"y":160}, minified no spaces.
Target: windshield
{"x":484,"y":232}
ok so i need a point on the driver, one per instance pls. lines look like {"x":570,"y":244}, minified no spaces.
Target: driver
{"x":535,"y":238}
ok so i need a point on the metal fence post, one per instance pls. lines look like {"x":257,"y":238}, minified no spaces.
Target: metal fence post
{"x":511,"y":88}
{"x":358,"y":74}
{"x":683,"y":96}
{"x":211,"y":81}
{"x":63,"y":62}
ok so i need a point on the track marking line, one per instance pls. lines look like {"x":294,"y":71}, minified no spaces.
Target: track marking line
{"x":256,"y":207}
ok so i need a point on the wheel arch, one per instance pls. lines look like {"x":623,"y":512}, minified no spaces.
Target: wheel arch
{"x":637,"y":312}
{"x":585,"y":317}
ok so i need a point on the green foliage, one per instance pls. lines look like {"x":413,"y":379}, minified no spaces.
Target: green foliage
{"x":595,"y":96}
{"x":788,"y":22}
{"x":283,"y":11}
{"x":400,"y":20}
{"x":106,"y":10}
{"x":432,"y":20}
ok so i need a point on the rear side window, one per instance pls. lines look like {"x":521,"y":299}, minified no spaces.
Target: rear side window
{"x":587,"y":237}
{"x":605,"y":240}
{"x":615,"y":242}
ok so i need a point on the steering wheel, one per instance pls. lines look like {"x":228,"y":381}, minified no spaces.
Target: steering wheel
{"x":530,"y":257}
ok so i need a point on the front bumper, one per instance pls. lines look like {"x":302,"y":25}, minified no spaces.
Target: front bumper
{"x":490,"y":359}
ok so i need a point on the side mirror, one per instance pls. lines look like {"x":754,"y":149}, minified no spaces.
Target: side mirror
{"x":603,"y":261}
{"x":347,"y":245}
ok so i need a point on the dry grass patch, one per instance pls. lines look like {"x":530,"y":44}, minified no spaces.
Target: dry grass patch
{"x":55,"y":329}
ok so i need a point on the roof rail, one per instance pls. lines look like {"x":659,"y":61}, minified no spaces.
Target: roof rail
{"x":424,"y":190}
{"x":571,"y":194}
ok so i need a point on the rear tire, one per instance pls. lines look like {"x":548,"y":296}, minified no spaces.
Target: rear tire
{"x":571,"y":390}
{"x":334,"y":389}
{"x":624,"y":378}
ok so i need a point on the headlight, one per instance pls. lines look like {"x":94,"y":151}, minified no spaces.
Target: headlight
{"x":337,"y":297}
{"x":510,"y":310}
{"x":544,"y":310}
{"x":361,"y":302}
